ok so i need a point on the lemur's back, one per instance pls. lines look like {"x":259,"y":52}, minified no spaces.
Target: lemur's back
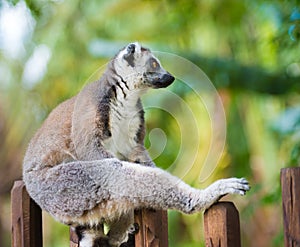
{"x":52,"y":144}
{"x":63,"y":134}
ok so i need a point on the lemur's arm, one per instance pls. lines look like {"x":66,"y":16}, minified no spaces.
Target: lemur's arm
{"x":141,"y":156}
{"x":86,"y":131}
{"x":74,"y":188}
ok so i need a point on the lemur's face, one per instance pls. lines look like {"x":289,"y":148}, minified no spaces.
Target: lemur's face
{"x":140,"y":69}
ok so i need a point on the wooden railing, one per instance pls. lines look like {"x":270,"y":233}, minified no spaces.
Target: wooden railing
{"x":221,"y":221}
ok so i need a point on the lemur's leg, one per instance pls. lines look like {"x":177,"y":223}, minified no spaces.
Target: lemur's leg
{"x":76,"y":188}
{"x":120,"y":228}
{"x":140,"y":186}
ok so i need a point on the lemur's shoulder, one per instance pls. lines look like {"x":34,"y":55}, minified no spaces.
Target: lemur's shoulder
{"x":65,"y":128}
{"x":58,"y":122}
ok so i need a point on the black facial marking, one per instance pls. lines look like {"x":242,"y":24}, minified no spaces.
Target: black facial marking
{"x":130,"y":59}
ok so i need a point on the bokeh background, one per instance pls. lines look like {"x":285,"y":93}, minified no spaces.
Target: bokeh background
{"x":249,"y":49}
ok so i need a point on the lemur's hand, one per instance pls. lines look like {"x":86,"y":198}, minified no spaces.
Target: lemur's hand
{"x":230,"y":186}
{"x":203,"y":199}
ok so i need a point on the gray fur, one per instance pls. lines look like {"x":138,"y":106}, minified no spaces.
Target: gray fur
{"x":87,"y":164}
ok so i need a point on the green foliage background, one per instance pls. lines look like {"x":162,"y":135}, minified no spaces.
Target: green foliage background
{"x":247,"y":48}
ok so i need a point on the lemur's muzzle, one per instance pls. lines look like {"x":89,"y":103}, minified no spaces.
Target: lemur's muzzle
{"x":159,"y":80}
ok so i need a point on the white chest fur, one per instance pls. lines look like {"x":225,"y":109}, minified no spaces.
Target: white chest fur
{"x":124,"y":124}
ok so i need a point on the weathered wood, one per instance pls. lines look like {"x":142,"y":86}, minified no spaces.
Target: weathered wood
{"x":74,"y":240}
{"x":290,"y":186}
{"x":222,"y":226}
{"x":153,"y":228}
{"x":26,"y":218}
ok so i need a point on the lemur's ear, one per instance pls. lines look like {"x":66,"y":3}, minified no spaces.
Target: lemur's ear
{"x":129,"y":55}
{"x":130,"y":49}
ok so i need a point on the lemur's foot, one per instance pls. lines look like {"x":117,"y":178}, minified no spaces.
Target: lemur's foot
{"x":133,"y":229}
{"x":130,"y":239}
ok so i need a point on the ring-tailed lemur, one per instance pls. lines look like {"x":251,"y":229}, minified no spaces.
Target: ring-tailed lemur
{"x":87,"y":164}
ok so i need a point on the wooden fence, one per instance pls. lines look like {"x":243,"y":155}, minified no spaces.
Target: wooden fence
{"x":221,"y":221}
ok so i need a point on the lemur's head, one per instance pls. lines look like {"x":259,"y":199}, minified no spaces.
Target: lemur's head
{"x":140,"y":68}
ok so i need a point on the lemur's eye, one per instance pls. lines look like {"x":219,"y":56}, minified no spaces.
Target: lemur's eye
{"x":131,"y":48}
{"x":154,"y":64}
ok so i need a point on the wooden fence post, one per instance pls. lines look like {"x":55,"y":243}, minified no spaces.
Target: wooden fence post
{"x":222,"y":226}
{"x":290,"y":185}
{"x":153,"y":228}
{"x":26,"y":218}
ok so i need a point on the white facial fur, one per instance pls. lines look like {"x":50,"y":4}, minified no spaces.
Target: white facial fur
{"x":133,"y":75}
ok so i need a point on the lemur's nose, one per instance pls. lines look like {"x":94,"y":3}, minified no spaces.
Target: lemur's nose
{"x":167,"y":78}
{"x":164,"y":80}
{"x":158,"y":79}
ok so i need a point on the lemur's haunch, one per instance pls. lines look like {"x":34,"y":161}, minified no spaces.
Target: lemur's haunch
{"x":87,"y":164}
